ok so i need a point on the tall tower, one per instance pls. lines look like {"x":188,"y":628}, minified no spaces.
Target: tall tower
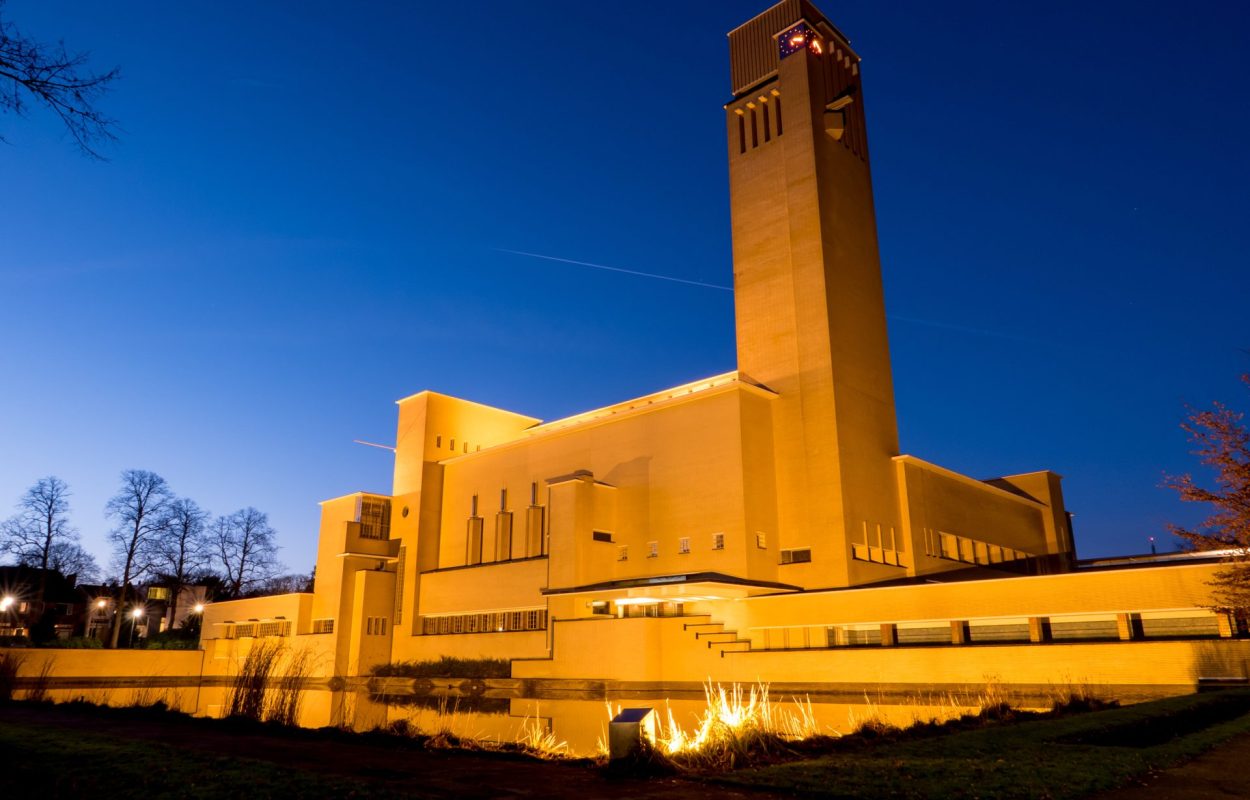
{"x":807,"y":282}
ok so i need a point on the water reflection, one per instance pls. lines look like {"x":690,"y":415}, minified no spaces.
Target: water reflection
{"x":580,"y":723}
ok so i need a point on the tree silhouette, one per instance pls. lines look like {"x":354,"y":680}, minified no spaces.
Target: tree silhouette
{"x":38,"y":531}
{"x":139,"y":509}
{"x":48,"y":76}
{"x":181,"y":549}
{"x":245,"y":550}
{"x":1223,"y":444}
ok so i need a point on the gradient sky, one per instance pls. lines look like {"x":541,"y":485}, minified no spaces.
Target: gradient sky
{"x":303,"y":222}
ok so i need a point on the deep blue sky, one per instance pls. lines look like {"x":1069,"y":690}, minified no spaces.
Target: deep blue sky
{"x":299,"y":227}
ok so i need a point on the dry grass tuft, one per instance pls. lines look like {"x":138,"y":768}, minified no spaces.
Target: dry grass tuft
{"x":10,"y":663}
{"x":739,"y":726}
{"x":262,"y":691}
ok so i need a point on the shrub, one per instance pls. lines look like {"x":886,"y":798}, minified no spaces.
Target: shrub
{"x":74,"y":643}
{"x":446,"y":667}
{"x":171,"y":640}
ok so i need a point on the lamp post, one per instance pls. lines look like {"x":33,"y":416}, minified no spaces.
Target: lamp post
{"x":136,"y":614}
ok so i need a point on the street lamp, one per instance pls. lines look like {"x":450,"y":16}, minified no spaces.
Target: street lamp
{"x":137,"y":613}
{"x":6,"y":603}
{"x":199,"y":608}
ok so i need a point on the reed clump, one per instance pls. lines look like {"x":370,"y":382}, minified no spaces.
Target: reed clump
{"x":269,"y":686}
{"x":10,"y":663}
{"x":37,"y":692}
{"x":739,"y":726}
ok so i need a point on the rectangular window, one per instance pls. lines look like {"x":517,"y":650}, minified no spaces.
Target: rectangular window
{"x":798,"y":555}
{"x":761,"y":540}
{"x":718,"y":541}
{"x":374,"y":516}
{"x":653,"y":549}
{"x":683,"y":545}
{"x":493,"y":622}
{"x":399,"y":585}
{"x":622,"y":553}
{"x":323,"y":626}
{"x":601,"y":536}
{"x":273,"y":629}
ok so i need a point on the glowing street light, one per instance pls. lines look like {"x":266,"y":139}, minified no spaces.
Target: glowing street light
{"x":6,"y":603}
{"x":136,"y":614}
{"x":101,"y":603}
{"x":199,"y":608}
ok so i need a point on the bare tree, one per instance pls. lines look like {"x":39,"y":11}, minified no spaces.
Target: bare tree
{"x":244,"y":548}
{"x":181,"y":550}
{"x":1223,"y":445}
{"x":42,"y":520}
{"x":281,"y":584}
{"x":139,"y":510}
{"x":68,"y":558}
{"x":40,"y":526}
{"x":60,"y":81}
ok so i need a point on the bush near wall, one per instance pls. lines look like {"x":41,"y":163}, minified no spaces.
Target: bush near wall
{"x":73,"y":643}
{"x":178,"y":639}
{"x":445,"y":667}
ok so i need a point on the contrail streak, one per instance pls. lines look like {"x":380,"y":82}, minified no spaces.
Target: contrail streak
{"x":911,"y":320}
{"x":616,"y":269}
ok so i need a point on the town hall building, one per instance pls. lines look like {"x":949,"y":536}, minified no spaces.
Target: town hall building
{"x":764,"y":523}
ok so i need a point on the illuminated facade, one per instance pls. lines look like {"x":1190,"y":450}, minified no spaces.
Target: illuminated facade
{"x":719,"y":527}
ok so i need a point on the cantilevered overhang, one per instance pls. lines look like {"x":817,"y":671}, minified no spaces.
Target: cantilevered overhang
{"x":684,"y":587}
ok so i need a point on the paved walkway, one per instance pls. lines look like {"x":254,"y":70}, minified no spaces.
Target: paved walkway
{"x":1220,"y":773}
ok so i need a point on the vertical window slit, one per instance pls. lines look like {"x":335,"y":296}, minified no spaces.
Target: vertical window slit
{"x":755,"y":134}
{"x":768,"y":131}
{"x":777,"y":111}
{"x":742,"y":134}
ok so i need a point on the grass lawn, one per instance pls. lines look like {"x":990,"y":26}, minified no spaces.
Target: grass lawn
{"x":54,"y":762}
{"x":1067,"y":757}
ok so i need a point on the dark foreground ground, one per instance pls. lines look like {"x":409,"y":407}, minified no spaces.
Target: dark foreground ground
{"x":1184,"y":748}
{"x":90,"y":752}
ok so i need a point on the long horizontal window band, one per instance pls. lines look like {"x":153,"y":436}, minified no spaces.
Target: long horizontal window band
{"x":258,"y":630}
{"x":531,"y":619}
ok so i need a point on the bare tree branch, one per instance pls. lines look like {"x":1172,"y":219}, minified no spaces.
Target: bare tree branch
{"x":48,"y":76}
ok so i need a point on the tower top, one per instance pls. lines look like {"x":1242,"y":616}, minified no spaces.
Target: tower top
{"x":753,"y":49}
